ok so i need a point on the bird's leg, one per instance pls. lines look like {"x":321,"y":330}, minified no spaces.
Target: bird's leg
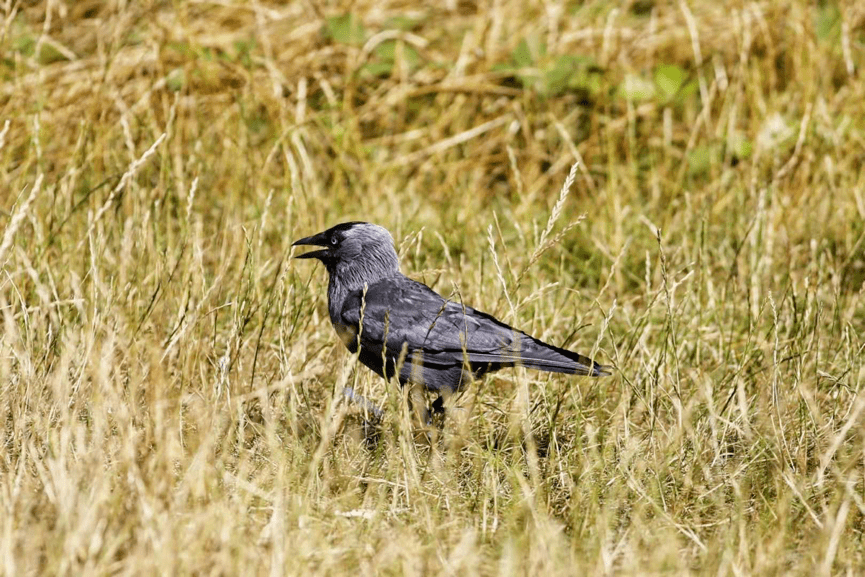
{"x":367,"y":406}
{"x":418,"y":404}
{"x":417,"y":395}
{"x":437,"y":412}
{"x":442,"y":407}
{"x":438,"y":405}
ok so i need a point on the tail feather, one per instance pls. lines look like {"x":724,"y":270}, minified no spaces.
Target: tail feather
{"x":545,"y":357}
{"x":539,"y":355}
{"x":573,"y":364}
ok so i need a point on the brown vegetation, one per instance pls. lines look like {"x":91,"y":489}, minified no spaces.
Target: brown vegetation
{"x":169,"y":382}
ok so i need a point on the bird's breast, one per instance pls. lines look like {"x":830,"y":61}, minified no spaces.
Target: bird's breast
{"x":347,"y":334}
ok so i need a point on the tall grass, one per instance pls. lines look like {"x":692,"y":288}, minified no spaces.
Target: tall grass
{"x":170,"y":387}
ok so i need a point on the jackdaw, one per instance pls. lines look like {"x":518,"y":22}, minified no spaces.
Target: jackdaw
{"x":404,"y":325}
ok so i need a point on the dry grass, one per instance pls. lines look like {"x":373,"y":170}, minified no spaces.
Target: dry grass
{"x":169,"y":383}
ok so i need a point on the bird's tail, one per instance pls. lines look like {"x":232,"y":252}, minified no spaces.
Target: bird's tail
{"x":539,"y":355}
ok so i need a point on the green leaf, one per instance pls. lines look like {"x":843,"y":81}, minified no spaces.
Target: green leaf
{"x":243,"y":51}
{"x":24,"y":45}
{"x":557,"y":77}
{"x":701,"y":158}
{"x":636,"y":87}
{"x":530,"y":78}
{"x":827,"y":22}
{"x":503,"y":67}
{"x":528,"y":51}
{"x":387,"y":52}
{"x":688,"y":90}
{"x":49,"y":54}
{"x":740,"y":146}
{"x":522,"y":56}
{"x":669,"y":79}
{"x":587,"y":79}
{"x":402,"y":22}
{"x":411,"y":56}
{"x":182,"y":48}
{"x":346,"y":29}
{"x":377,"y":68}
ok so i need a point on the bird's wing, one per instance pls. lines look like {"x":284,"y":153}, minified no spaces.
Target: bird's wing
{"x":408,"y":313}
{"x":404,"y":311}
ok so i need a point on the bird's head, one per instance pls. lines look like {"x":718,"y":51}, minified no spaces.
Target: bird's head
{"x":354,"y":252}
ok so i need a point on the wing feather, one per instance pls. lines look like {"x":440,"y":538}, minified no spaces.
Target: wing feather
{"x":399,"y":311}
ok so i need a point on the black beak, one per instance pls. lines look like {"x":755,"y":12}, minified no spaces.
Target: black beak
{"x":316,"y":240}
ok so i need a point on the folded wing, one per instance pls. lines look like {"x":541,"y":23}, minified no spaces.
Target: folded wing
{"x":400,"y":312}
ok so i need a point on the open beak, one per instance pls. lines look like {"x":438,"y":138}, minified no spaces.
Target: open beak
{"x":315,"y":240}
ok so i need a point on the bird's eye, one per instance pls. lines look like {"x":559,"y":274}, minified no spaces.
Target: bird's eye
{"x":334,"y":241}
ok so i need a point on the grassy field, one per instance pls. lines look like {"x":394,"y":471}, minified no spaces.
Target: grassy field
{"x":170,"y":385}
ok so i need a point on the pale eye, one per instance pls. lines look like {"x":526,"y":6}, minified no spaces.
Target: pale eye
{"x":334,"y":241}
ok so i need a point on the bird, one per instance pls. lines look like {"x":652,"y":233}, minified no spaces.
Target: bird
{"x":399,"y":327}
